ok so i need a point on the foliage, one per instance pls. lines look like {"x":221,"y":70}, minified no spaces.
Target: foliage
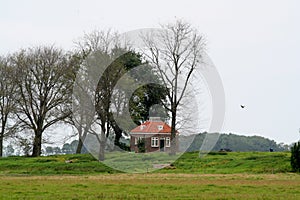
{"x":295,"y":157}
{"x":49,"y":150}
{"x":67,"y":148}
{"x":234,"y":143}
{"x":112,"y":100}
{"x":146,"y":102}
{"x":141,"y":145}
{"x":124,"y":146}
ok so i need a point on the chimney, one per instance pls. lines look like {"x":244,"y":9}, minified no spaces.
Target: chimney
{"x":154,"y":119}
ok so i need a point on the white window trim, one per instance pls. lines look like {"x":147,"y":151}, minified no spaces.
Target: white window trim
{"x":168,"y":142}
{"x":135,"y":140}
{"x":154,"y":141}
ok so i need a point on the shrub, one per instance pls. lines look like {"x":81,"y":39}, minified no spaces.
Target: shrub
{"x":141,"y":145}
{"x":295,"y":157}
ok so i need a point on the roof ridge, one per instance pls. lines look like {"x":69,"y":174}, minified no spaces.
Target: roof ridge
{"x":152,"y":127}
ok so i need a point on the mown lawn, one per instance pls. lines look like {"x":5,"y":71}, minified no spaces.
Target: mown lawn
{"x":152,"y":186}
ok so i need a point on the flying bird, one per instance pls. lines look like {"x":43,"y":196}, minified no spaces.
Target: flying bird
{"x":242,"y":106}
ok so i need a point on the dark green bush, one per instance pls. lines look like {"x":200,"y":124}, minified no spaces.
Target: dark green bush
{"x":295,"y":157}
{"x":141,"y":145}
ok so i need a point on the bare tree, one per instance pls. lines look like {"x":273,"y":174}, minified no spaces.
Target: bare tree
{"x":175,"y":52}
{"x":82,"y":117}
{"x":7,"y":100}
{"x":96,"y":50}
{"x":44,"y":83}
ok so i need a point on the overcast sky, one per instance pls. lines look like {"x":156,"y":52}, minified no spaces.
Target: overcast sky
{"x":254,"y":44}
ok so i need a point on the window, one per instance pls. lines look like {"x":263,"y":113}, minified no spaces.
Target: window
{"x":168,"y":142}
{"x":136,"y":140}
{"x":154,"y":142}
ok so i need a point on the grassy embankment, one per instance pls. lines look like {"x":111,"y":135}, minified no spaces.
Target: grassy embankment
{"x":213,"y":163}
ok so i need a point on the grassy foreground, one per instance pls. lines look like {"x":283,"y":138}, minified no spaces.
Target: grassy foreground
{"x":152,"y":186}
{"x":232,"y":175}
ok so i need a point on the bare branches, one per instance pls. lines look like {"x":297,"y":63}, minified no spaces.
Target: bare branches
{"x":175,"y":52}
{"x":8,"y":126}
{"x":44,"y":88}
{"x":102,"y":41}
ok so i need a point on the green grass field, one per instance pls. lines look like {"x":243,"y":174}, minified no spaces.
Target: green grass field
{"x":152,"y":186}
{"x":213,"y":163}
{"x":234,"y":175}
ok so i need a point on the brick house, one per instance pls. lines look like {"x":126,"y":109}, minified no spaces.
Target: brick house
{"x":155,"y":133}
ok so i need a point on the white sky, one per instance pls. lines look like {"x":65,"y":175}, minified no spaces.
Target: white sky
{"x":255,"y":45}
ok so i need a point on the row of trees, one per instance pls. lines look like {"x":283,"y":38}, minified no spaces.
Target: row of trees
{"x":236,"y":143}
{"x":36,"y":94}
{"x":44,"y":86}
{"x":67,"y":148}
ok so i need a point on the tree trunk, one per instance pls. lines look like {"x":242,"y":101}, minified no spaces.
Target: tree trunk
{"x":118,"y":133}
{"x":80,"y":140}
{"x":102,"y":143}
{"x":173,"y":133}
{"x":37,"y":144}
{"x":2,"y":135}
{"x":79,"y":146}
{"x":102,"y":151}
{"x":1,"y":144}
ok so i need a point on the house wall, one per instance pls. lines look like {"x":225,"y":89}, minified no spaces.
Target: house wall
{"x":147,"y":137}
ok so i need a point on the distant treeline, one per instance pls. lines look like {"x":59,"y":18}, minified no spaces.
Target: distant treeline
{"x":233,"y":142}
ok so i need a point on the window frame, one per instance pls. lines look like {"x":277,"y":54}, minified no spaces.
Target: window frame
{"x":168,"y":142}
{"x":154,"y":142}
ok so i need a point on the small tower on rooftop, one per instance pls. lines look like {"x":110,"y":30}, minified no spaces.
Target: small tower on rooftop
{"x":155,"y":119}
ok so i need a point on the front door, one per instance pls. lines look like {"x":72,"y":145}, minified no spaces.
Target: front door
{"x":162,"y":144}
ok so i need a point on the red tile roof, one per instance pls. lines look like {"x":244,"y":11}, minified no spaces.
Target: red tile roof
{"x":152,"y":127}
